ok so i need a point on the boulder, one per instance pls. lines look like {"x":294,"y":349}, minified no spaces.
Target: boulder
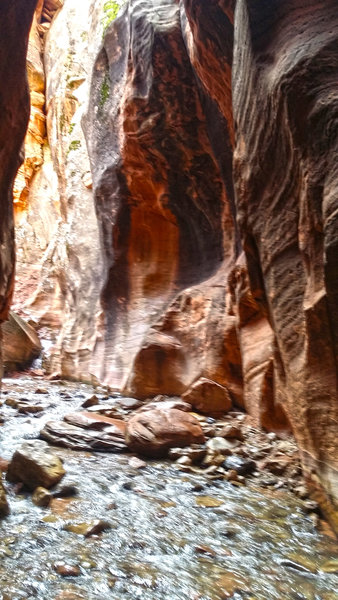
{"x":152,"y":432}
{"x":21,"y":344}
{"x":34,"y":464}
{"x":208,"y":397}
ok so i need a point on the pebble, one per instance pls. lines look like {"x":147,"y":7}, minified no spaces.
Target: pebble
{"x":198,"y":488}
{"x":12,"y":402}
{"x":195,"y":452}
{"x":301,"y":491}
{"x":293,"y":565}
{"x":30,"y":409}
{"x":65,"y":491}
{"x":4,"y":506}
{"x":205,"y":550}
{"x":310,"y":506}
{"x":230,"y":533}
{"x":66,"y":570}
{"x":184,"y":460}
{"x":209,"y":431}
{"x":91,"y":401}
{"x":232,"y":475}
{"x":129,"y":403}
{"x":70,"y":595}
{"x":243,"y":466}
{"x":136,"y":463}
{"x":220,"y":445}
{"x":88,"y":529}
{"x":231,"y":432}
{"x":213,"y":460}
{"x":208,"y":501}
{"x":3,"y":464}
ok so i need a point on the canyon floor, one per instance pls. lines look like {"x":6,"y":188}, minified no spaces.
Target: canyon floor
{"x":121,"y":526}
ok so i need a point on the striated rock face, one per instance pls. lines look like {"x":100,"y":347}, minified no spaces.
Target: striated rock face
{"x":285,"y":171}
{"x":15,"y":20}
{"x":76,"y":249}
{"x":36,"y":132}
{"x":161,"y":202}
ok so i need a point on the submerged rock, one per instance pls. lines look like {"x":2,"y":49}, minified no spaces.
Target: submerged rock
{"x":154,"y":430}
{"x":65,"y":491}
{"x":88,"y":529}
{"x":34,"y":464}
{"x":41,"y":497}
{"x":4,"y":507}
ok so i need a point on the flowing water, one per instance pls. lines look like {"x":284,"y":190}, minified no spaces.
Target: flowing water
{"x":172,"y":535}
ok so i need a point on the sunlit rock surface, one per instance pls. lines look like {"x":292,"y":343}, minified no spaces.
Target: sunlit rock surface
{"x":58,"y":240}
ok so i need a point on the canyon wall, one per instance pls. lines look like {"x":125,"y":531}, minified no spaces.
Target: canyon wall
{"x":177,"y":226}
{"x":15,"y":21}
{"x":285,"y":173}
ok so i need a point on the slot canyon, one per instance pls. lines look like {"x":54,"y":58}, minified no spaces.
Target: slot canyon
{"x":169,"y":299}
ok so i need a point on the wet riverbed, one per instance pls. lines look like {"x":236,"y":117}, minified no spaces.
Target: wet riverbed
{"x":172,"y":535}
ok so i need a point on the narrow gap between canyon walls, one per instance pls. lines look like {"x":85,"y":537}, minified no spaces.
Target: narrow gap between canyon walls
{"x":168,"y":411}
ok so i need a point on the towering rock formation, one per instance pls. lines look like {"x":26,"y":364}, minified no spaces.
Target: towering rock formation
{"x":285,"y":173}
{"x":162,"y":199}
{"x":15,"y":21}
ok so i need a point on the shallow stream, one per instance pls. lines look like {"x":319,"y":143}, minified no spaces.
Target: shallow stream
{"x":172,"y":535}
